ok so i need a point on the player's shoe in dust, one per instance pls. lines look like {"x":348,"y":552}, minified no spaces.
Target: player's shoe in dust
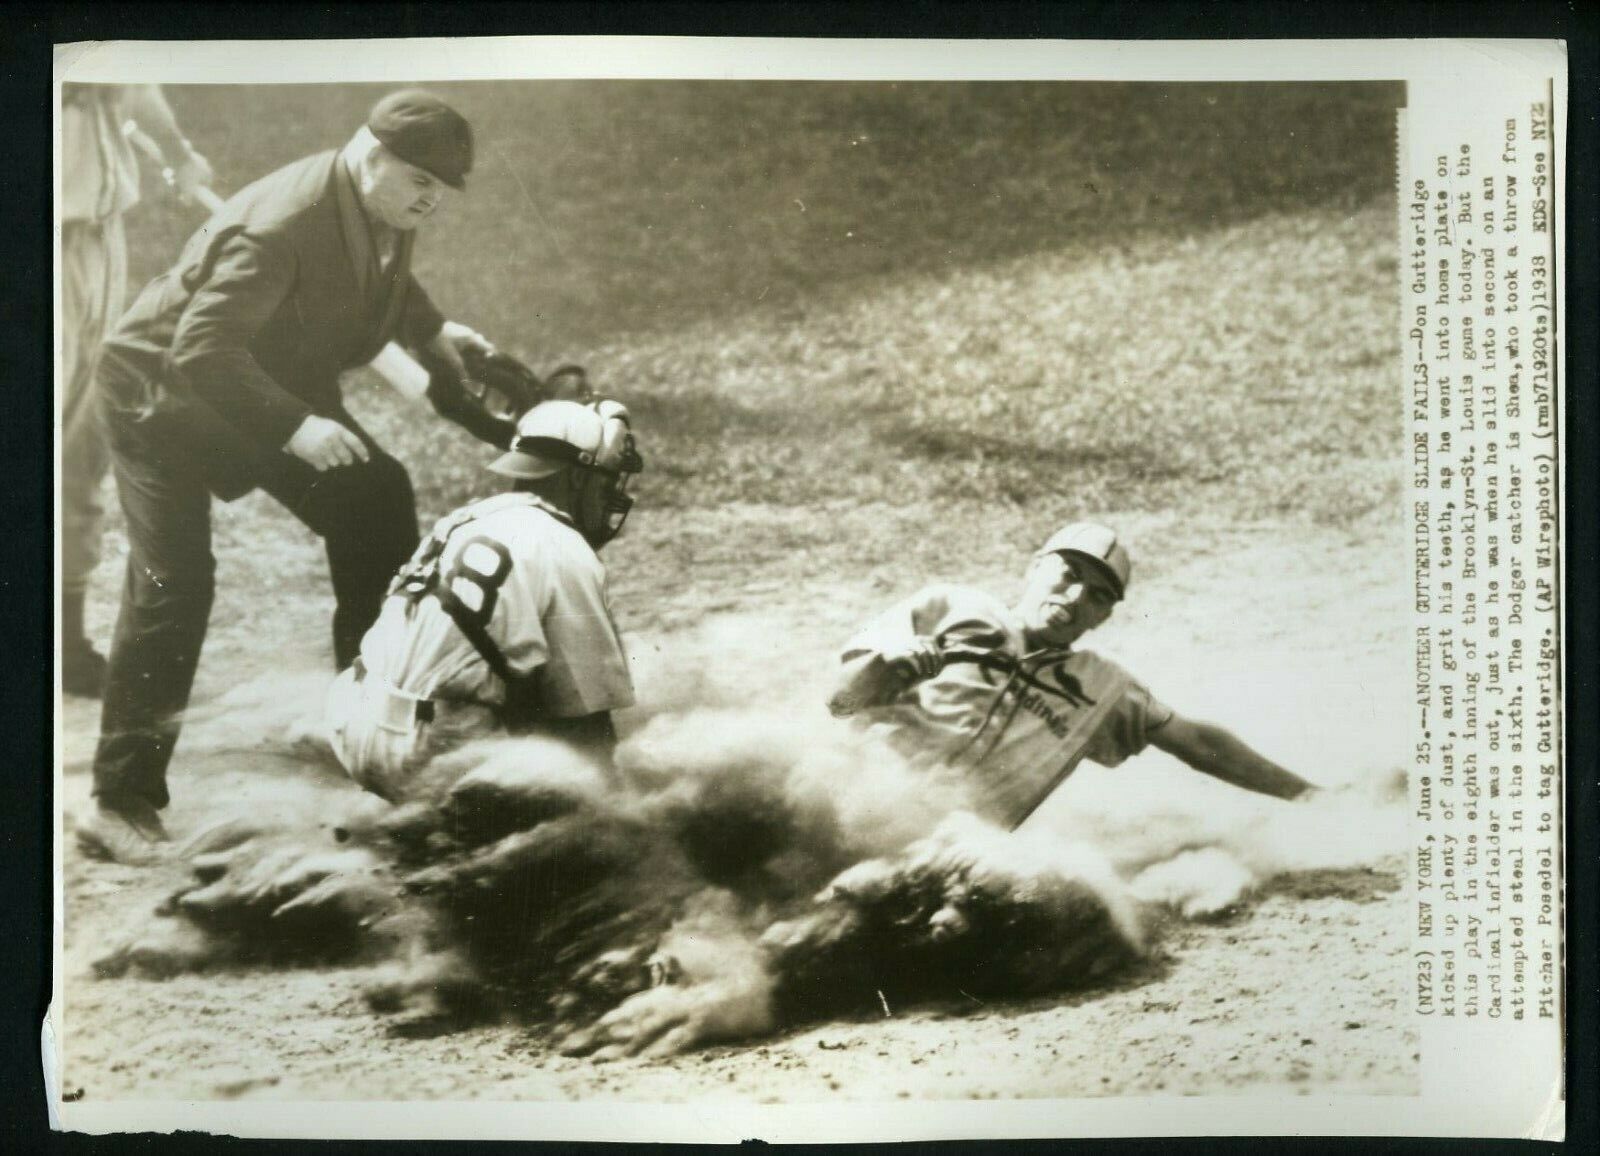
{"x":127,"y":832}
{"x":83,"y":670}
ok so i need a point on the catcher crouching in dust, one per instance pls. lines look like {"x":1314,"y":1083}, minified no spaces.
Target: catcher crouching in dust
{"x":954,"y":677}
{"x":224,"y":376}
{"x":500,"y":623}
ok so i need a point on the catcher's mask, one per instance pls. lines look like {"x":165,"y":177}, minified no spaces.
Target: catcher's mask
{"x":1096,"y":544}
{"x":595,"y":440}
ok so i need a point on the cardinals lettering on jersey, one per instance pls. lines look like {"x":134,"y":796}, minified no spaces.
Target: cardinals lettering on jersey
{"x":1019,"y":722}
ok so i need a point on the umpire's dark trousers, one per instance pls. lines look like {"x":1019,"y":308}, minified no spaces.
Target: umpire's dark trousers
{"x":365,"y":514}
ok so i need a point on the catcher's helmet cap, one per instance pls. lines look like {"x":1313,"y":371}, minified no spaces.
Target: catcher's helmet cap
{"x":1098,"y":544}
{"x":559,"y":433}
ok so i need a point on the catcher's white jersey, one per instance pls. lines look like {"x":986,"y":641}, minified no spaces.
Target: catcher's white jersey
{"x":1018,"y":722}
{"x":537,"y":588}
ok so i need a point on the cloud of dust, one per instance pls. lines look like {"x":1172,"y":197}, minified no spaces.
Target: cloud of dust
{"x":968,"y":911}
{"x":1199,"y":883}
{"x":282,"y":711}
{"x":1202,"y":847}
{"x":748,"y":863}
{"x":743,"y":660}
{"x":719,"y":987}
{"x":737,"y":871}
{"x":868,"y":798}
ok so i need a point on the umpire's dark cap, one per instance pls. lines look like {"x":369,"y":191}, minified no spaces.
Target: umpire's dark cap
{"x":423,"y":130}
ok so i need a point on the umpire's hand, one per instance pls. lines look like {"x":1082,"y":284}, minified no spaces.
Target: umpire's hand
{"x":324,"y":443}
{"x":452,"y":338}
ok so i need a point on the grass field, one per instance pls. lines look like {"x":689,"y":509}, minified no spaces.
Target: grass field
{"x":1063,"y":298}
{"x":601,"y":209}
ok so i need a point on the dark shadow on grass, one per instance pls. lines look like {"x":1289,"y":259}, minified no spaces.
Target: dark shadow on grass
{"x":1036,"y":461}
{"x":599,"y":208}
{"x":705,"y":446}
{"x":718,"y":416}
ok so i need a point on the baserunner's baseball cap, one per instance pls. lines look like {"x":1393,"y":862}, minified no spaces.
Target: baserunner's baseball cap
{"x":1098,"y":544}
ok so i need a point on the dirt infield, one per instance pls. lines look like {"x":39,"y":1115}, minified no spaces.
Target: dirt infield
{"x":1299,"y":984}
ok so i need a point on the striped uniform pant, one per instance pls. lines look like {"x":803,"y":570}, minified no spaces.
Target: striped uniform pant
{"x":94,"y":270}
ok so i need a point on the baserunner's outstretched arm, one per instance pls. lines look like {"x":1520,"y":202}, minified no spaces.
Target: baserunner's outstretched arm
{"x":1223,"y":755}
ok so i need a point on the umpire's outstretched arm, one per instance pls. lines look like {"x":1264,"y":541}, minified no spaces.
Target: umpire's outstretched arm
{"x":1223,"y":755}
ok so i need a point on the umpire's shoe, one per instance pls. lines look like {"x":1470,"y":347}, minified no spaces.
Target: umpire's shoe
{"x":126,"y":831}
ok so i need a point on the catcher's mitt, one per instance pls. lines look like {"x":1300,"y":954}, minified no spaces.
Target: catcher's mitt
{"x":507,"y":389}
{"x":497,"y":390}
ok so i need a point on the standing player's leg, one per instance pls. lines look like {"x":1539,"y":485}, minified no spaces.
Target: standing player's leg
{"x":94,"y":274}
{"x":366,"y":515}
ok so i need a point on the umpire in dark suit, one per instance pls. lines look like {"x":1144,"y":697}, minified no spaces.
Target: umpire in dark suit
{"x":223,"y":377}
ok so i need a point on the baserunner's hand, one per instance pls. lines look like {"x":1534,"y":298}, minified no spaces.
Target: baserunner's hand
{"x":921,"y":659}
{"x":324,"y":443}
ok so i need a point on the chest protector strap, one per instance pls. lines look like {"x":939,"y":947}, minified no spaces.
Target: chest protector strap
{"x":475,"y":631}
